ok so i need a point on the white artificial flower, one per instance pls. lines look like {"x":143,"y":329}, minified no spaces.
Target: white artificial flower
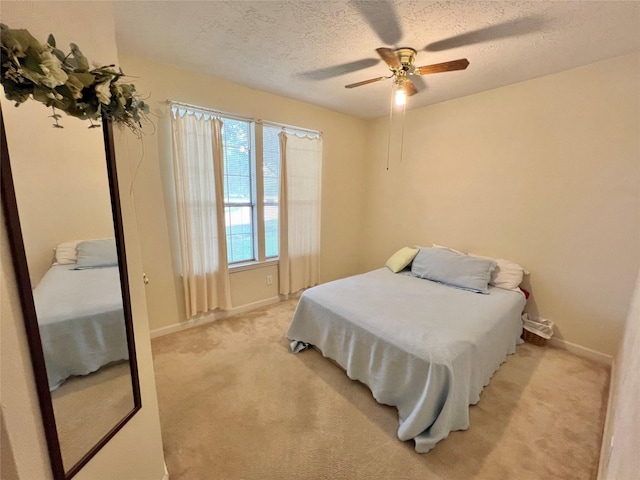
{"x":103,"y":91}
{"x":54,"y":75}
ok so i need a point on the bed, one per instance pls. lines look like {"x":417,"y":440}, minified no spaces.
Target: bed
{"x":81,"y":320}
{"x":419,"y":345}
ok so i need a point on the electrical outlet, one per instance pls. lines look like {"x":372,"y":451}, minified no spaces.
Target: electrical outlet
{"x":269,"y":279}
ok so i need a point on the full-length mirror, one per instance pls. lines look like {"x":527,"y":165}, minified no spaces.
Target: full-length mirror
{"x":61,"y":205}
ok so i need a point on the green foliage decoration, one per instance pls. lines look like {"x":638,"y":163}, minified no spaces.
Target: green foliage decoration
{"x":66,"y":82}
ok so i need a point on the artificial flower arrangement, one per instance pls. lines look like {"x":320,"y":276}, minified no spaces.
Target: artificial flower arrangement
{"x":66,"y":82}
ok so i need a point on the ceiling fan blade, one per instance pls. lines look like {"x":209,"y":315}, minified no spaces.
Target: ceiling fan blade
{"x":410,"y":88}
{"x":365,"y":82}
{"x":451,"y":66}
{"x":390,"y":57}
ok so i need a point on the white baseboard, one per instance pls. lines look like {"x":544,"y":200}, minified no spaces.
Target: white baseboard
{"x":212,"y":317}
{"x":581,"y":351}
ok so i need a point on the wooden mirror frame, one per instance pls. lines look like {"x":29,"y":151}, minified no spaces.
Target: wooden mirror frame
{"x":19,"y":258}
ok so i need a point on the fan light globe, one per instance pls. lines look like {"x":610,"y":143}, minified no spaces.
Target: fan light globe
{"x":401,"y":97}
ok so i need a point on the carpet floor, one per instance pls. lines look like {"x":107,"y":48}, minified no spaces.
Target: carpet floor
{"x":236,"y":404}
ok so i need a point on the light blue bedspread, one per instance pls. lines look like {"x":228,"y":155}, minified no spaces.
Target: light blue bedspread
{"x":81,"y":320}
{"x":425,"y":348}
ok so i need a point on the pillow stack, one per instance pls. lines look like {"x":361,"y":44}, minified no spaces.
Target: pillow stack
{"x":87,"y":254}
{"x":507,"y":274}
{"x":452,"y":267}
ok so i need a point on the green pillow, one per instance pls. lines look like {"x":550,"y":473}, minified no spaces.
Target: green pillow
{"x":401,"y":259}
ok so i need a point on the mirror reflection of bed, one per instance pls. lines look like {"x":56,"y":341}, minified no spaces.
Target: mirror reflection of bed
{"x":81,"y":321}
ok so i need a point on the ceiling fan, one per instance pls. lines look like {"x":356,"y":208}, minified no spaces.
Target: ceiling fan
{"x":401,"y":63}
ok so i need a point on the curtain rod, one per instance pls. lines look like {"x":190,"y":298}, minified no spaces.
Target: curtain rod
{"x":290,"y":127}
{"x":241,"y":117}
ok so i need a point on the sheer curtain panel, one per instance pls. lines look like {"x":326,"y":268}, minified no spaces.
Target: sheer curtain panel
{"x":197,"y":162}
{"x":300,"y":184}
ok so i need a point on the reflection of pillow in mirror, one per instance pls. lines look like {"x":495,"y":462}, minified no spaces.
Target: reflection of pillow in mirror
{"x":66,"y":253}
{"x":97,"y":254}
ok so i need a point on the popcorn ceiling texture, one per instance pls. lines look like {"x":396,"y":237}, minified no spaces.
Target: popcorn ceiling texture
{"x":290,"y":47}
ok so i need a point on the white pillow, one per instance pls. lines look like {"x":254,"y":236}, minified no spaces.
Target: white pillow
{"x":507,"y":275}
{"x":66,"y":253}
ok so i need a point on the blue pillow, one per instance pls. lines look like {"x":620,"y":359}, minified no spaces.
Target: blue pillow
{"x":97,"y":254}
{"x":451,"y":268}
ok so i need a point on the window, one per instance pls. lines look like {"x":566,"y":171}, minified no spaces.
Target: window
{"x":251,"y":156}
{"x":242,"y":189}
{"x":271,"y":178}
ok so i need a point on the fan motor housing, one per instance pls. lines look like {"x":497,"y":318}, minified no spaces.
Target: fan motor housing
{"x":407,"y":57}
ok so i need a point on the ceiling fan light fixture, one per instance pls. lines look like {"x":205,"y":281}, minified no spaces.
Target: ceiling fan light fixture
{"x":401,"y":96}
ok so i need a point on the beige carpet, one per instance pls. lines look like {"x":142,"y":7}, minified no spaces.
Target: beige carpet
{"x":235,"y":404}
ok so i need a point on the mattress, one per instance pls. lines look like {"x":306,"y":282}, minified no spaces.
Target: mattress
{"x":81,"y":320}
{"x":426,"y":348}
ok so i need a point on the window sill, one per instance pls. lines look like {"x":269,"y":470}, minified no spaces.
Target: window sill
{"x":241,"y":267}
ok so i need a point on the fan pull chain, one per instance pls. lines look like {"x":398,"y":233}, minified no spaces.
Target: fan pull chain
{"x":390,"y":127}
{"x":404,"y":109}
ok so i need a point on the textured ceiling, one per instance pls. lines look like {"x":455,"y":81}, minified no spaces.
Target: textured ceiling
{"x":308,"y":50}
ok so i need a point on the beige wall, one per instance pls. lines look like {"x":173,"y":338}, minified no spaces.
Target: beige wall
{"x":249,"y":286}
{"x":343,"y":191}
{"x":136,"y":451}
{"x":545,"y":173}
{"x":621,"y":439}
{"x":621,"y":442}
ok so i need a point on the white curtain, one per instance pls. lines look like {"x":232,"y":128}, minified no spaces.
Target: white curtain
{"x":299,"y":219}
{"x":198,"y":172}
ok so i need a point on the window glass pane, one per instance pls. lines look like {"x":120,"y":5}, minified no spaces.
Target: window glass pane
{"x":271,"y":163}
{"x":271,"y":173}
{"x":271,"y":230}
{"x":239,"y":230}
{"x":237,"y":161}
{"x":238,"y":195}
